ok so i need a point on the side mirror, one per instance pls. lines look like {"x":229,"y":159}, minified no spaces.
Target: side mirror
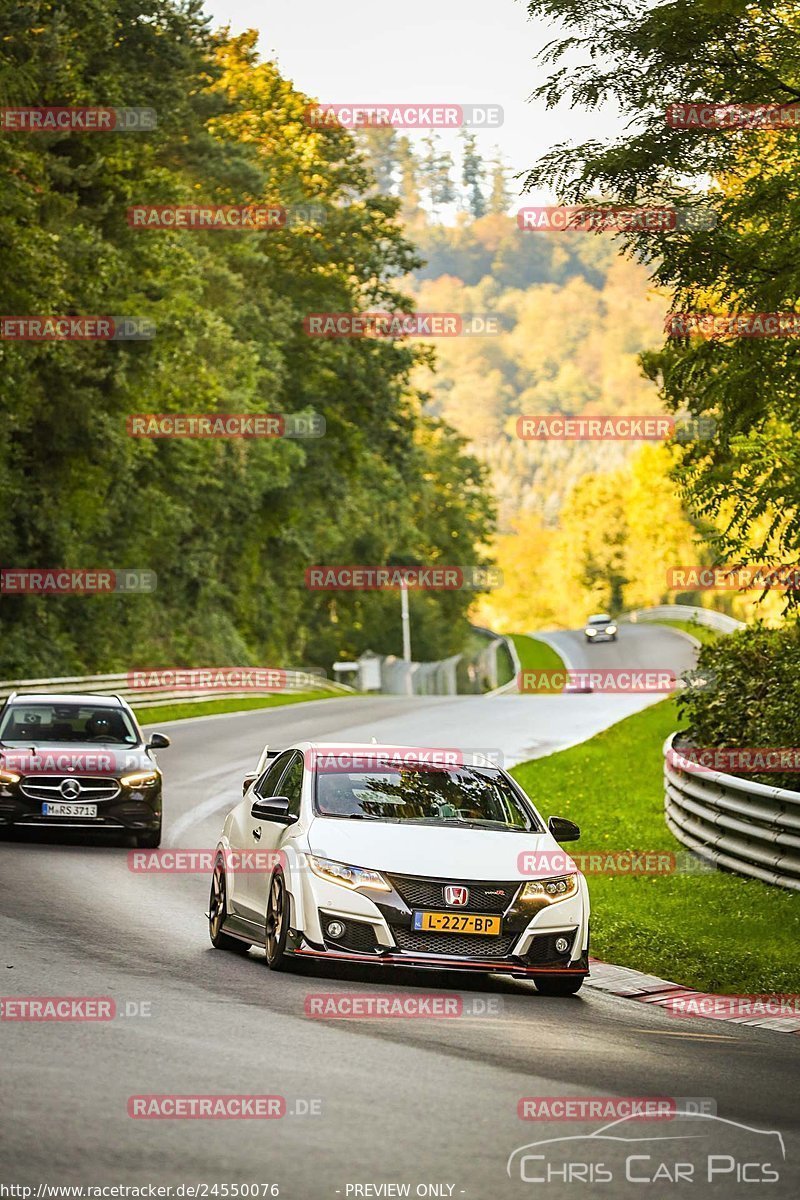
{"x":248,"y":782}
{"x":158,"y":741}
{"x":563,"y":830}
{"x":274,"y":808}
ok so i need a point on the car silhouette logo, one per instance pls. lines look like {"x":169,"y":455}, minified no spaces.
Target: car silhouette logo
{"x":70,"y":789}
{"x":456,"y":897}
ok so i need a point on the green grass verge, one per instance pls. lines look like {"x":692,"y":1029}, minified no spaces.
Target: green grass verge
{"x":701,"y":632}
{"x":535,"y":655}
{"x":712,"y":931}
{"x":206,"y":708}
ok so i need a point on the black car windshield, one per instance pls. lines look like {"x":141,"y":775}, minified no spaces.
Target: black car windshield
{"x":54,"y":722}
{"x":467,"y":796}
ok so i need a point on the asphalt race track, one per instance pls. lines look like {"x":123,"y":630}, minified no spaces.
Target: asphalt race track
{"x":431,"y":1103}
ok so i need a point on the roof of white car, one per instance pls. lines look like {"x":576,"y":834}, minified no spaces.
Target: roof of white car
{"x":87,"y":699}
{"x":455,"y":755}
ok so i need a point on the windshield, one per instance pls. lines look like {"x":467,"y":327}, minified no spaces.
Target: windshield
{"x":599,"y":620}
{"x":67,"y":723}
{"x":466,"y":796}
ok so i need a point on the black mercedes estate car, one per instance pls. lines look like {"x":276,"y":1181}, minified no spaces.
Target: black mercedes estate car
{"x":78,"y":761}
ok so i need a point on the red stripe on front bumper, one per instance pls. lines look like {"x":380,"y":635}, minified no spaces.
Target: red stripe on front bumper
{"x":470,"y":964}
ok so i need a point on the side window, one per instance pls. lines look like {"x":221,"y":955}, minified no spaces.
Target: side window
{"x":271,"y":777}
{"x":292,"y":785}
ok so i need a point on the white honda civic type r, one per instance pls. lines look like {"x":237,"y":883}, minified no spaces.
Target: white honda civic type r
{"x":399,"y":856}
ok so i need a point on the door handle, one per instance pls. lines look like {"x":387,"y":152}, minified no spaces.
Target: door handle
{"x":257,"y":834}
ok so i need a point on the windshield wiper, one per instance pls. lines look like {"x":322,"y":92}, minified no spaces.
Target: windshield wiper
{"x":459,"y":823}
{"x":368,"y":817}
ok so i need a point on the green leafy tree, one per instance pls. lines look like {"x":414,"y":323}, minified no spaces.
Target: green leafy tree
{"x":473,"y":174}
{"x":228,"y":526}
{"x":500,"y":196}
{"x":436,"y":167}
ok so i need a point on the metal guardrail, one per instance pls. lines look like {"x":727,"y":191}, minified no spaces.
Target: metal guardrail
{"x":119,"y":685}
{"x":488,"y":661}
{"x":687,"y":612}
{"x":746,"y":827}
{"x":440,"y":677}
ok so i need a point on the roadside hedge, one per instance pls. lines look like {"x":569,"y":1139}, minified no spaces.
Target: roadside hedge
{"x":755,"y":696}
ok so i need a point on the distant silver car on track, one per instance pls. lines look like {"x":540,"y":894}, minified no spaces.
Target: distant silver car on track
{"x":600,"y":628}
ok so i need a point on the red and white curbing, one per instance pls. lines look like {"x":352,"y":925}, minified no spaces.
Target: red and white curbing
{"x":649,"y":989}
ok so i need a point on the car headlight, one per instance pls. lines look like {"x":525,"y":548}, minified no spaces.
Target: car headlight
{"x":347,"y":876}
{"x":140,"y":779}
{"x":560,"y":887}
{"x":591,"y":632}
{"x":9,"y":777}
{"x":611,"y":629}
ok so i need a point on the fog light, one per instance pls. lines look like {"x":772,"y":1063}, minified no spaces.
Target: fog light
{"x":335,"y":930}
{"x":562,"y":945}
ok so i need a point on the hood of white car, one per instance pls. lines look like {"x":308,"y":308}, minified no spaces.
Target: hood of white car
{"x":443,"y":852}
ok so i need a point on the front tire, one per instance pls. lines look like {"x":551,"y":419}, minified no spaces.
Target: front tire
{"x":217,"y":906}
{"x":558,"y":985}
{"x":277,"y":923}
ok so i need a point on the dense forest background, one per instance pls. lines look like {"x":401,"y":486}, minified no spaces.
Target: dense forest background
{"x":420,"y":463}
{"x":229,"y":527}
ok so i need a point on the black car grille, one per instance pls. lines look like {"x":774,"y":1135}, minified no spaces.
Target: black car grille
{"x":429,"y":893}
{"x":48,"y":787}
{"x":543,"y":949}
{"x":412,"y":941}
{"x":358,"y":936}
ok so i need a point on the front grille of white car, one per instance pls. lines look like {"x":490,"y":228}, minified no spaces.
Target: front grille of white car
{"x":453,"y":944}
{"x":420,"y":892}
